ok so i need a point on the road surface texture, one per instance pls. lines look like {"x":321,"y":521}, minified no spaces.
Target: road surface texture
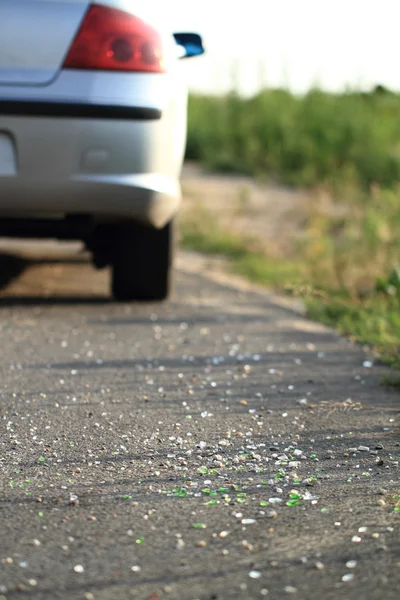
{"x":219,"y":446}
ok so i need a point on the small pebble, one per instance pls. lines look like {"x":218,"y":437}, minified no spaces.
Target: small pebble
{"x":348,"y":577}
{"x":289,"y":589}
{"x":79,"y":569}
{"x":254,"y":574}
{"x":248,"y":521}
{"x":247,"y":546}
{"x":356,"y":539}
{"x":271,"y":514}
{"x":351,"y":564}
{"x":88,"y":596}
{"x":363,"y":448}
{"x":136,"y":569}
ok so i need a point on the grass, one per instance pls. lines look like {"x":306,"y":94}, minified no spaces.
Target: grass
{"x":303,"y":141}
{"x":371,"y":318}
{"x":247,"y":261}
{"x":374,"y":321}
{"x":346,"y":262}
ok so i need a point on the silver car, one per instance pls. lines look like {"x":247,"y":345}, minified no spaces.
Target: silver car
{"x":93,"y":110}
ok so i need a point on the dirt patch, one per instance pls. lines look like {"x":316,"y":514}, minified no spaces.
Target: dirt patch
{"x":275,"y":215}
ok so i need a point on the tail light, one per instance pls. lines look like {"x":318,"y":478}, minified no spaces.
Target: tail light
{"x":113,"y":40}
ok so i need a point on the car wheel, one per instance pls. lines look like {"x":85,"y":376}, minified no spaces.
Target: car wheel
{"x":141,"y":262}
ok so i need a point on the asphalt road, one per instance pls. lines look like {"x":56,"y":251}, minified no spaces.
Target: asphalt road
{"x":219,"y":446}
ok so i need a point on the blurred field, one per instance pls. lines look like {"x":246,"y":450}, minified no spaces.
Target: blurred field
{"x":308,"y":200}
{"x":351,"y":138}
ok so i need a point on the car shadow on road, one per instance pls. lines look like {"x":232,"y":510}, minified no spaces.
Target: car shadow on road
{"x":13,"y":266}
{"x":9,"y":301}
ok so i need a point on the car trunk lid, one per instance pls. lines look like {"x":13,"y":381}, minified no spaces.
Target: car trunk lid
{"x":35,"y":36}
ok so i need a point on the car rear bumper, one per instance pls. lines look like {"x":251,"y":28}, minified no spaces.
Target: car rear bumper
{"x":110,"y":169}
{"x":97,"y":144}
{"x":149,"y":198}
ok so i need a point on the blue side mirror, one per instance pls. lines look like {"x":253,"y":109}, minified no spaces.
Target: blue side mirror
{"x":191,"y":43}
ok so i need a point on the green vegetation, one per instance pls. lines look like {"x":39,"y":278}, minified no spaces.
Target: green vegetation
{"x":372,"y":317}
{"x":346,"y":265}
{"x":351,"y":137}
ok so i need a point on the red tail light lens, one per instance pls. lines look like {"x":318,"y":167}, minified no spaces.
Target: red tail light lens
{"x":113,"y":40}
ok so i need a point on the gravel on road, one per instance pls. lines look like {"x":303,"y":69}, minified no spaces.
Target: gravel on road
{"x":218,"y":446}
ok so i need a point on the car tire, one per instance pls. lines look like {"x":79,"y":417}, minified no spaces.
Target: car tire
{"x":141,"y":262}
